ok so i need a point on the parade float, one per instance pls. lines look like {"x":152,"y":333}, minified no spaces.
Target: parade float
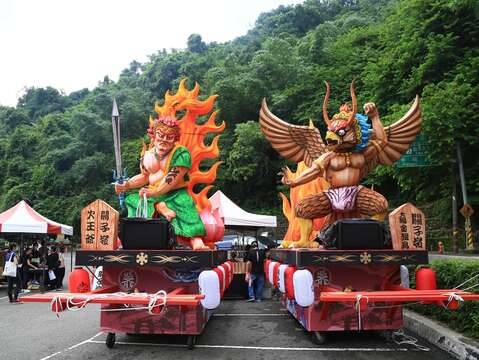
{"x":339,"y":267}
{"x":160,"y":272}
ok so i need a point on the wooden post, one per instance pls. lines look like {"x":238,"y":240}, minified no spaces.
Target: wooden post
{"x":408,"y":228}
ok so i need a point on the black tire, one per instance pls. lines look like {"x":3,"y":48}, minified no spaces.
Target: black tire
{"x":387,"y":335}
{"x":110,"y":340}
{"x":191,"y":342}
{"x":319,"y":338}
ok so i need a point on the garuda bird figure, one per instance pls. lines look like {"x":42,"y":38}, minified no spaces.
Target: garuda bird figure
{"x":353,"y":147}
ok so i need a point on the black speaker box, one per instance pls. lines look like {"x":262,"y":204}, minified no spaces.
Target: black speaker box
{"x":146,"y":234}
{"x":355,"y":234}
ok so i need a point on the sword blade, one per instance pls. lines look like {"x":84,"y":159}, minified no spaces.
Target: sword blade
{"x":115,"y":123}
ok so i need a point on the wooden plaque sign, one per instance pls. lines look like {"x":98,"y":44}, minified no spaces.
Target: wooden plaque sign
{"x":89,"y":226}
{"x":408,"y":228}
{"x":99,"y":226}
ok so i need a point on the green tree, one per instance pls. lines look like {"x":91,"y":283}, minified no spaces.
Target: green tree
{"x":195,"y":44}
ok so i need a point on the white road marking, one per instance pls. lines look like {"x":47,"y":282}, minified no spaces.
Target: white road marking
{"x":4,"y":297}
{"x":257,"y":347}
{"x":52,"y":355}
{"x":72,"y":347}
{"x":221,"y":314}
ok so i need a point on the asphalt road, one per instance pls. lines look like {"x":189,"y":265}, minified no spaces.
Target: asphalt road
{"x":239,"y":330}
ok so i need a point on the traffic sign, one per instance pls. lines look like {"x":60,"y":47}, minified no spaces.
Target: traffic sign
{"x":467,"y":210}
{"x":416,"y":155}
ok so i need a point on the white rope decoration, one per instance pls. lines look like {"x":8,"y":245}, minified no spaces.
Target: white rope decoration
{"x":465,"y":282}
{"x":453,"y":296}
{"x":357,"y":306}
{"x":158,"y":299}
{"x":400,"y":338}
{"x":161,"y":294}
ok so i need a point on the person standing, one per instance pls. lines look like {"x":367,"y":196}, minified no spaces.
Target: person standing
{"x":13,"y":282}
{"x":255,"y":273}
{"x":26,"y":260}
{"x":52,"y":265}
{"x":60,"y":273}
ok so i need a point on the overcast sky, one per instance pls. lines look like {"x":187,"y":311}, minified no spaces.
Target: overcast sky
{"x":73,"y":44}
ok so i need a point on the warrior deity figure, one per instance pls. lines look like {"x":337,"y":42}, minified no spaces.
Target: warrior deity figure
{"x":163,"y":178}
{"x":351,"y":151}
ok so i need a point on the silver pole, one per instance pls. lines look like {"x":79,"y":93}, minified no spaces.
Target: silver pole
{"x":461,"y":173}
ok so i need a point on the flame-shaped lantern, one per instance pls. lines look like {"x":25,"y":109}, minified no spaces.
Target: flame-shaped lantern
{"x":193,"y":137}
{"x":296,"y":194}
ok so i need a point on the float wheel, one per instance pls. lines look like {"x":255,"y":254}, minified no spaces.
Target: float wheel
{"x":191,"y":342}
{"x":387,"y":335}
{"x":319,"y":338}
{"x":110,"y":340}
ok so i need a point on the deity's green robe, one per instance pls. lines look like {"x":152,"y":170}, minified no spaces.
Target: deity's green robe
{"x":187,"y":221}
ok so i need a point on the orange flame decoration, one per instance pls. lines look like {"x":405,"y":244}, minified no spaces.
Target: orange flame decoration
{"x":296,"y":194}
{"x":193,"y":135}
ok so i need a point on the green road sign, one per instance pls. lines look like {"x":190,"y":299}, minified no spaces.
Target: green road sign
{"x":416,"y":155}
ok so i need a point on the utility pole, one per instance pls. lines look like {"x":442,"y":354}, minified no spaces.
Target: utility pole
{"x":467,"y":209}
{"x":455,"y":228}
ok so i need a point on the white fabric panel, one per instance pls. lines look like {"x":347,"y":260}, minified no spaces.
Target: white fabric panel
{"x":229,"y":270}
{"x":223,"y":271}
{"x":303,"y":287}
{"x":271,"y":271}
{"x":98,"y":278}
{"x":282,"y":268}
{"x":209,"y":285}
{"x":234,"y":215}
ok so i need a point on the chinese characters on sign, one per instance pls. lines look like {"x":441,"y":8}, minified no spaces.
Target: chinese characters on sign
{"x":99,"y":226}
{"x":408,"y":228}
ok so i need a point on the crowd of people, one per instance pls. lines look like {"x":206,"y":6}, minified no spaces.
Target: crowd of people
{"x":35,"y":264}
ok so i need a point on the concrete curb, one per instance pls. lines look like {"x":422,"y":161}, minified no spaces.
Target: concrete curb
{"x":435,"y":256}
{"x":461,"y":347}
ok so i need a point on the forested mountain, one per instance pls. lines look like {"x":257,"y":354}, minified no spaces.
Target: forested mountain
{"x":56,"y":149}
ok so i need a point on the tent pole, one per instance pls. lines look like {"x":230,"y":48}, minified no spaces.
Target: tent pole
{"x":44,"y":267}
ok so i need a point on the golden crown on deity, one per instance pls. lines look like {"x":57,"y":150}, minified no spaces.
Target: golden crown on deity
{"x":344,"y":113}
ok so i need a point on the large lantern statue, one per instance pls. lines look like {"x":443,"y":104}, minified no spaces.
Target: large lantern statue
{"x":169,"y":168}
{"x":350,"y":151}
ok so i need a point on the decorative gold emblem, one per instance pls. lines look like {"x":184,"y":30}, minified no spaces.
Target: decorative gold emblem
{"x":122,"y":258}
{"x":343,"y":258}
{"x":388,"y":258}
{"x":320,"y":258}
{"x":365,"y":258}
{"x":142,"y":259}
{"x":163,"y":259}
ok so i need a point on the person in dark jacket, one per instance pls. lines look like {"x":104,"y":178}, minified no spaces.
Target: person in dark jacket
{"x":255,"y":272}
{"x":26,"y":260}
{"x":60,"y":273}
{"x":53,"y":262}
{"x":13,"y":282}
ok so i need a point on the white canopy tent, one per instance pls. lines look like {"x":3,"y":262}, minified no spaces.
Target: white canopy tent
{"x":235,"y":216}
{"x":23,"y":219}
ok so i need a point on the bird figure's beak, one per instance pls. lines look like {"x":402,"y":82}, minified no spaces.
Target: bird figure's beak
{"x":333,"y":140}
